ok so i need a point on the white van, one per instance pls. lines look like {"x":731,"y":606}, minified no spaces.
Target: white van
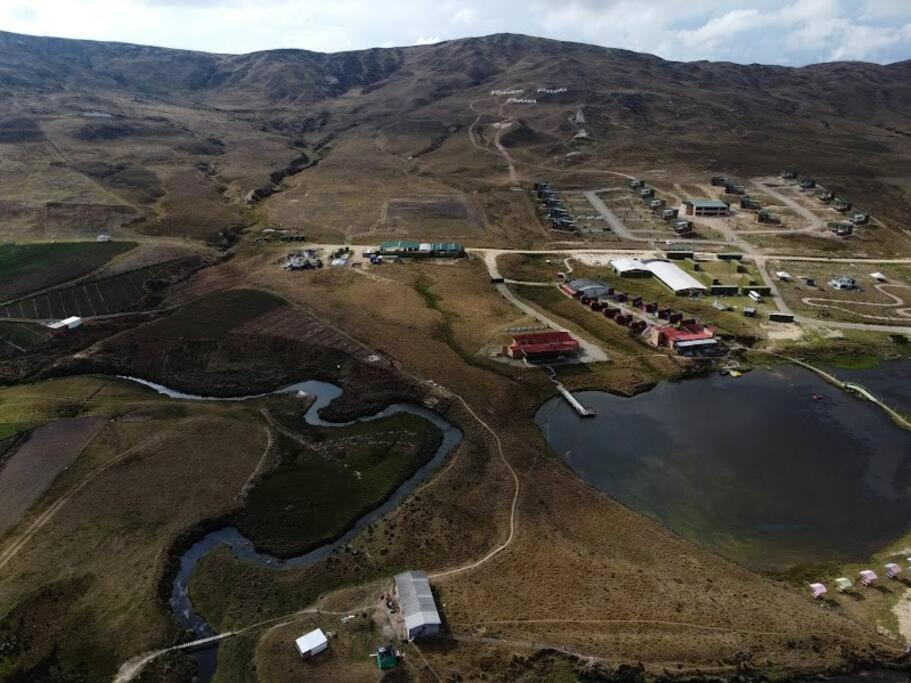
{"x":755,"y":296}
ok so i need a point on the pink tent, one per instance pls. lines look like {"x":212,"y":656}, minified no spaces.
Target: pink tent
{"x":867,"y":577}
{"x":893,"y":570}
{"x":818,"y":590}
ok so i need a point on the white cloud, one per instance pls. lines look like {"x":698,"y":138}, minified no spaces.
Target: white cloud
{"x":767,"y":31}
{"x":426,"y":41}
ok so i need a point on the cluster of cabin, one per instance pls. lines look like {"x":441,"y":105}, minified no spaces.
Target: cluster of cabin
{"x":730,"y":185}
{"x":659,"y":207}
{"x":866,"y":577}
{"x":665,"y":327}
{"x":552,"y":207}
{"x":853,"y":217}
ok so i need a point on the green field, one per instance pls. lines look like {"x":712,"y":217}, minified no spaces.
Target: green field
{"x":25,"y":268}
{"x":316,"y":493}
{"x":16,"y":338}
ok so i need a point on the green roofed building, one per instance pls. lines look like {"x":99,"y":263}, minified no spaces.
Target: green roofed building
{"x":421,"y":249}
{"x":706,"y":207}
{"x":399,"y":247}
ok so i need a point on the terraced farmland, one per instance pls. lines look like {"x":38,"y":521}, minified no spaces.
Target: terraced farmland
{"x":16,"y":338}
{"x":25,"y":268}
{"x":116,"y":294}
{"x":289,"y":323}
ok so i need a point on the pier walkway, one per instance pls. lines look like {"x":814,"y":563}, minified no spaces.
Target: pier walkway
{"x":574,"y":402}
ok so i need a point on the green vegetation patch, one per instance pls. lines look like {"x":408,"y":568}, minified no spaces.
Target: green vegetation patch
{"x":25,"y":268}
{"x":315,"y":493}
{"x":16,"y":338}
{"x":212,"y":316}
{"x":11,"y":429}
{"x":36,"y":636}
{"x":135,"y":289}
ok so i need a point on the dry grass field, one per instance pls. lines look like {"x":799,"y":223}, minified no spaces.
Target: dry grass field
{"x":98,"y":540}
{"x":31,"y":468}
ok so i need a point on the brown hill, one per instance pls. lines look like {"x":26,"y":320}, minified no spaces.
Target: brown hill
{"x":235,"y":120}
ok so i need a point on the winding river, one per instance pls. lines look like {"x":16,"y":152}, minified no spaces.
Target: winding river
{"x":243,"y":548}
{"x":774,"y":469}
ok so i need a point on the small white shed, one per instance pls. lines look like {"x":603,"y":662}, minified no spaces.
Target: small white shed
{"x":311,"y":643}
{"x":66,"y":324}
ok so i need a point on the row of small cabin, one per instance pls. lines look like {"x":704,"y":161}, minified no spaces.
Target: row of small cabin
{"x":867,"y":577}
{"x":684,"y":337}
{"x":747,"y":202}
{"x":550,"y":201}
{"x":826,"y":196}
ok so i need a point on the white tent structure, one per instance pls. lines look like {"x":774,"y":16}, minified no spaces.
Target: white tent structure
{"x":671,"y":276}
{"x":70,"y":323}
{"x":418,"y":606}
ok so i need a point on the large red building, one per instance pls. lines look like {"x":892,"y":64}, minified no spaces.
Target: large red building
{"x":686,"y":339}
{"x":542,"y":346}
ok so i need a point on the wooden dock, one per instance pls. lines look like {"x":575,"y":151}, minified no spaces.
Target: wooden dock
{"x":574,"y":402}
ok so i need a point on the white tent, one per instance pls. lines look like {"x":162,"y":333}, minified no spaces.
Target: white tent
{"x":673,"y":277}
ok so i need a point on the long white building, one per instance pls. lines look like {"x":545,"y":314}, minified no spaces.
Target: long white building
{"x":671,"y":275}
{"x":417,"y":604}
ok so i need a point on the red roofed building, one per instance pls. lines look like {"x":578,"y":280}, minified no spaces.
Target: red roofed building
{"x":541,"y":346}
{"x":685,"y":339}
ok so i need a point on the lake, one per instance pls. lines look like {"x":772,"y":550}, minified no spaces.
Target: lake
{"x":752,"y":467}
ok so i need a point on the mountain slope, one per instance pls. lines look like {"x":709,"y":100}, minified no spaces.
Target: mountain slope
{"x":235,"y":121}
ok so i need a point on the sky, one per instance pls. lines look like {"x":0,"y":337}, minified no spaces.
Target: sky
{"x":789,"y":32}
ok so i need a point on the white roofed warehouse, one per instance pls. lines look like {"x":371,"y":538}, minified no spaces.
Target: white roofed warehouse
{"x":671,"y":276}
{"x":419,"y":610}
